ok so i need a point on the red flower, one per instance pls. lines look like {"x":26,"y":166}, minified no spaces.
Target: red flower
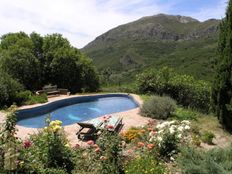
{"x":150,"y":146}
{"x":97,"y":150}
{"x":109,"y":127}
{"x":90,"y":142}
{"x":151,"y":122}
{"x":140,"y":144}
{"x":77,"y":146}
{"x":27,"y":144}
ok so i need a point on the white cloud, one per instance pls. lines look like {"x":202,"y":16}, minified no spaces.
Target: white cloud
{"x":78,"y":20}
{"x":217,"y":12}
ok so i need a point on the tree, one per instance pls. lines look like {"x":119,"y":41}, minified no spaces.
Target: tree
{"x":222,"y":85}
{"x":35,"y":61}
{"x":8,"y":89}
{"x":18,"y":60}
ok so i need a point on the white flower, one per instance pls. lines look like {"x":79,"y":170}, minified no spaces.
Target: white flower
{"x":186,"y":122}
{"x":151,"y":139}
{"x":160,"y":131}
{"x":159,"y":139}
{"x":179,"y":136}
{"x":172,"y":122}
{"x":172,"y":159}
{"x":171,"y":130}
{"x":180,"y":128}
{"x":187,"y":127}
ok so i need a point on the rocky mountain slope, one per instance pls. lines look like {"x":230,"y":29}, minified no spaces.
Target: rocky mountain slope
{"x":183,"y":43}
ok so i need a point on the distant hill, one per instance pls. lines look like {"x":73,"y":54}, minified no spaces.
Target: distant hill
{"x":183,"y":43}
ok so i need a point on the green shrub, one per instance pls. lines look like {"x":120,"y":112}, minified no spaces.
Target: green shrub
{"x":158,"y":107}
{"x":207,"y":137}
{"x":186,"y":90}
{"x":8,"y":89}
{"x":144,"y":164}
{"x":37,"y":99}
{"x":52,"y":171}
{"x":215,"y":161}
{"x":184,"y":114}
{"x":26,"y":97}
{"x":8,"y":142}
{"x":196,"y":140}
{"x":48,"y":149}
{"x":22,"y":97}
{"x":102,"y":158}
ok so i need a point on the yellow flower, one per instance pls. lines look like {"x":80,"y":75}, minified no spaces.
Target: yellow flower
{"x":67,"y":145}
{"x":56,"y":128}
{"x":56,"y":122}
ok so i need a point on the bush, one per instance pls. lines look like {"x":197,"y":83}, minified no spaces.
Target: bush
{"x":101,"y":158}
{"x":26,"y":97}
{"x":207,"y":137}
{"x":184,"y":114}
{"x":8,"y":89}
{"x":169,"y":137}
{"x":37,"y":99}
{"x":22,"y":97}
{"x":158,"y":107}
{"x":51,"y":171}
{"x":186,"y":90}
{"x":8,"y":142}
{"x":47,"y":149}
{"x":144,"y":164}
{"x":131,"y":134}
{"x":215,"y":161}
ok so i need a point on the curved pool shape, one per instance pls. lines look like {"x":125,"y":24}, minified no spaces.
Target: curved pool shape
{"x":75,"y":109}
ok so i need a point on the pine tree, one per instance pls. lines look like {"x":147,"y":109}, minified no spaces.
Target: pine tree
{"x":222,"y":85}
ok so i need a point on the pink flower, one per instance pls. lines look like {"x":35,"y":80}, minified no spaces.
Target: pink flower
{"x":17,"y":162}
{"x":140,"y":144}
{"x":130,"y":151}
{"x":95,"y":146}
{"x":102,"y":158}
{"x":27,"y":144}
{"x":150,"y":129}
{"x":90,"y":142}
{"x":150,"y":146}
{"x":97,"y":150}
{"x":135,"y":147}
{"x":153,"y":132}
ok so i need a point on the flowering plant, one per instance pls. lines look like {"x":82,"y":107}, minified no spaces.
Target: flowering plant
{"x":169,"y":135}
{"x":47,"y":149}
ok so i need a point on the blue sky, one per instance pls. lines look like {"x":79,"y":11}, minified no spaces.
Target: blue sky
{"x":81,"y":21}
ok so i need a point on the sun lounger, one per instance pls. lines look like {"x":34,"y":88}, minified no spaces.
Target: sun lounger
{"x":87,"y":130}
{"x":90,"y":128}
{"x":113,"y":124}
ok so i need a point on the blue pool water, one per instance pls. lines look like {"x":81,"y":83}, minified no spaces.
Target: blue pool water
{"x":86,"y":108}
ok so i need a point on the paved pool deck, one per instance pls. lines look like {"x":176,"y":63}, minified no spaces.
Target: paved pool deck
{"x":130,"y":118}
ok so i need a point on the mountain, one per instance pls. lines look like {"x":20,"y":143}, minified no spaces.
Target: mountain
{"x":181,"y":42}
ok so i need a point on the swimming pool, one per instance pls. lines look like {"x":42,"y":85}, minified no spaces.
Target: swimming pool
{"x":75,"y":109}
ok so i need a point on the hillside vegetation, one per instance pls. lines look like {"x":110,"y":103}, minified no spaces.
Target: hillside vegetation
{"x":182,"y":43}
